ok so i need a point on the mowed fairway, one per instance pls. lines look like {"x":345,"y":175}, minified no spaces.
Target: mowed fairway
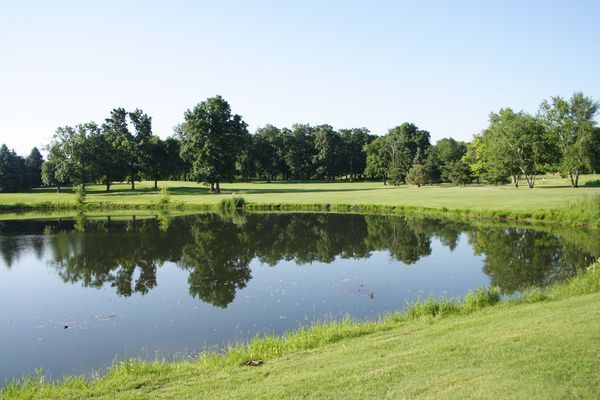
{"x":551,"y":193}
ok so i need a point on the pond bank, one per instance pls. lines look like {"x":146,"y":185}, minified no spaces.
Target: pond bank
{"x":543,"y":345}
{"x":585,"y":213}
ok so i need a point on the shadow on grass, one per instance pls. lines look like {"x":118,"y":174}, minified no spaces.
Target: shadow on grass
{"x":192,"y":191}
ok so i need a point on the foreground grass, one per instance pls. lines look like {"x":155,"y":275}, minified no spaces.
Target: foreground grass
{"x":543,"y":345}
{"x":551,"y":200}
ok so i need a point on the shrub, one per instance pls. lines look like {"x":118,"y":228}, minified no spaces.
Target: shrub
{"x":232,"y":203}
{"x":79,"y":196}
{"x":482,"y":297}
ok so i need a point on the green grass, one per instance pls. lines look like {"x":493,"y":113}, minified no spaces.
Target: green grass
{"x":552,"y":199}
{"x":542,"y":345}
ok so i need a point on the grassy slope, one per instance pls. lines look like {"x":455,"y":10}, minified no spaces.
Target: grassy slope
{"x":554,"y":193}
{"x":532,"y":349}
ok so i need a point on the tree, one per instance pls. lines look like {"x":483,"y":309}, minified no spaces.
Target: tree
{"x":300,"y":151}
{"x":571,"y":125}
{"x":460,"y":173}
{"x":73,"y":155}
{"x":515,"y":145}
{"x":268,"y":142}
{"x":328,"y":147}
{"x":378,"y":159}
{"x":114,"y":147}
{"x":156,"y":159}
{"x":447,"y":151}
{"x":353,"y":155}
{"x":137,"y":146}
{"x":402,"y":144}
{"x":431,"y":167}
{"x":13,"y":171}
{"x":211,"y":140}
{"x":34,"y":162}
{"x":51,"y":167}
{"x":474,"y":157}
{"x":417,"y":175}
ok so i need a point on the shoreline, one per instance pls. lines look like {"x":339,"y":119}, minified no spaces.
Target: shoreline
{"x":418,"y":317}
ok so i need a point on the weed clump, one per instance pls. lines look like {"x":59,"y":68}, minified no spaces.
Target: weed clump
{"x":482,"y":297}
{"x":232,"y":203}
{"x":79,"y":196}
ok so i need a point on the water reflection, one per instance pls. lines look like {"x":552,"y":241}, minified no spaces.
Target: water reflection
{"x":216,"y":250}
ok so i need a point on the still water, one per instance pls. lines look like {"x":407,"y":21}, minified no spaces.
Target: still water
{"x":77,"y":294}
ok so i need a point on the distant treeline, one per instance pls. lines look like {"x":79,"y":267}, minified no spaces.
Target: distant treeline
{"x":212,"y":145}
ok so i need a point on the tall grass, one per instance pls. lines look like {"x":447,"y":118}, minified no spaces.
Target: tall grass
{"x":231,"y":203}
{"x":79,"y":197}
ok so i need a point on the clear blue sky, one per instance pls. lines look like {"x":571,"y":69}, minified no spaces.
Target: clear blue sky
{"x":442,"y":65}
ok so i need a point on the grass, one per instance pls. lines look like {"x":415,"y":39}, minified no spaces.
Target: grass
{"x":551,"y":200}
{"x":542,"y":345}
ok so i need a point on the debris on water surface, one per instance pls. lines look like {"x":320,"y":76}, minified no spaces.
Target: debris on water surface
{"x":66,"y":326}
{"x":254,"y":363}
{"x":106,"y":317}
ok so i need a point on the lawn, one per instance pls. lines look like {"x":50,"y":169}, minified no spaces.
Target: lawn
{"x":546,"y":349}
{"x":549,"y":194}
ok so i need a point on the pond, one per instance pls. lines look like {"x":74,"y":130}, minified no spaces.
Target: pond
{"x":79,"y":293}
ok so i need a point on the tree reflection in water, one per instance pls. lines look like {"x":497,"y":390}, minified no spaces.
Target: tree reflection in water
{"x":217,"y":249}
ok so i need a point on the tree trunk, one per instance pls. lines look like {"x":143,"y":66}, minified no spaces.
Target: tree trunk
{"x":572,"y":180}
{"x":515,"y":181}
{"x":212,"y":186}
{"x":218,"y":188}
{"x":57,"y":188}
{"x":132,"y":184}
{"x":576,"y":179}
{"x":107,"y":182}
{"x":384,"y":181}
{"x":530,"y":181}
{"x":155,"y":183}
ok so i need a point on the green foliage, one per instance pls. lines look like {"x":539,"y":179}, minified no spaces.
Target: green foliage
{"x":232,"y":203}
{"x":417,"y":175}
{"x":515,"y":144}
{"x":33,"y":164}
{"x":482,"y":297}
{"x":572,"y":126}
{"x":14,"y":171}
{"x":211,"y":140}
{"x":165,"y":198}
{"x":80,"y":196}
{"x":378,"y":159}
{"x":459,"y":173}
{"x":300,"y":151}
{"x":328,"y":145}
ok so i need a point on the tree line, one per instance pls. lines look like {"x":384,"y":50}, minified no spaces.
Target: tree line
{"x":213,"y":145}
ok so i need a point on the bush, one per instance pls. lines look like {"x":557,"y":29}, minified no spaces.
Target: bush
{"x":232,"y":203}
{"x":79,"y":196}
{"x":165,"y":198}
{"x":482,"y":297}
